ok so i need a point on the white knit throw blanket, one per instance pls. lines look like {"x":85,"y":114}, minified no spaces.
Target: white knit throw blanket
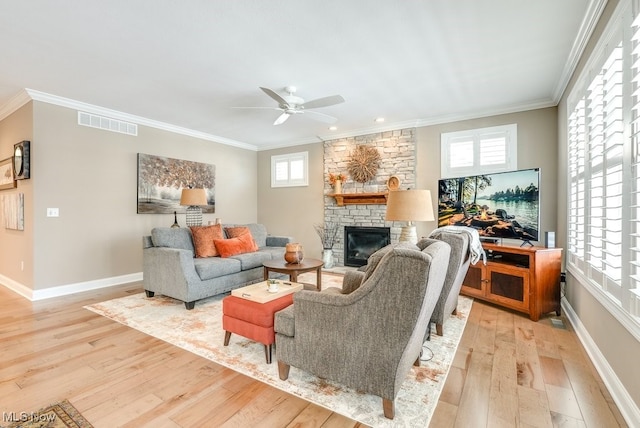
{"x":475,"y":246}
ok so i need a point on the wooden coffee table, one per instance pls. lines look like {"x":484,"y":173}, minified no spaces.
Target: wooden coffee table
{"x":294,"y":269}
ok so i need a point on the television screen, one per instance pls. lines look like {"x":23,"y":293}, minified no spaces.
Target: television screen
{"x":501,"y":205}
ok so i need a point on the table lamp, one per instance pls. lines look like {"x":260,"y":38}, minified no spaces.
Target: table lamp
{"x":409,"y":206}
{"x":194,"y":198}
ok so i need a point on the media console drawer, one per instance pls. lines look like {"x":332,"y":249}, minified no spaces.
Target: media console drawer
{"x":523,"y":279}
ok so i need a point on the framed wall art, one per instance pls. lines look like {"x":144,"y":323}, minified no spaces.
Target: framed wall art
{"x":161,"y":180}
{"x":13,"y":211}
{"x":7,"y":180}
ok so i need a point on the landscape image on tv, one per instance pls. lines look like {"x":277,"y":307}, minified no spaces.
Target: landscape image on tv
{"x":501,"y":205}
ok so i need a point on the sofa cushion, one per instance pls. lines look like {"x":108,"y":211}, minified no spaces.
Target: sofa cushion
{"x":275,"y":252}
{"x":179,"y":237}
{"x":214,"y":267}
{"x":233,"y":246}
{"x":203,"y":237}
{"x":258,"y":231}
{"x":252,"y":260}
{"x":235,"y":232}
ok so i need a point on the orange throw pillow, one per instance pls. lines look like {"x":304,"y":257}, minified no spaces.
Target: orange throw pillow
{"x":234,"y":232}
{"x":203,"y":237}
{"x":234,"y":246}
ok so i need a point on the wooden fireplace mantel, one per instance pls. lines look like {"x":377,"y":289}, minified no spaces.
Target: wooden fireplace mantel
{"x":360,"y":198}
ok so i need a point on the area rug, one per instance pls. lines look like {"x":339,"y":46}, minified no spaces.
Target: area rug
{"x":200,"y":331}
{"x":59,"y":415}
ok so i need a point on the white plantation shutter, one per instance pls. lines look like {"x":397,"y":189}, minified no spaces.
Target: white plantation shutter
{"x":605,"y":140}
{"x":576,"y":216}
{"x":634,"y":200}
{"x":479,"y":151}
{"x":290,"y":170}
{"x":603,"y":165}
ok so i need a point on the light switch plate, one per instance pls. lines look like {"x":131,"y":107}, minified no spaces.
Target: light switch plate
{"x":53,"y":212}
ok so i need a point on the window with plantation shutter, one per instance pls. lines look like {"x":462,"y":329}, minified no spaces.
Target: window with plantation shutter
{"x":603,"y":166}
{"x":634,"y":199}
{"x":479,"y":151}
{"x":290,"y":170}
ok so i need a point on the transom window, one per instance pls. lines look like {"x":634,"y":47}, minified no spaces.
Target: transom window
{"x":290,"y":170}
{"x":479,"y":151}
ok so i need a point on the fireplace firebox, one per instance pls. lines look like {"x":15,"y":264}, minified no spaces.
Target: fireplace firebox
{"x":360,"y":242}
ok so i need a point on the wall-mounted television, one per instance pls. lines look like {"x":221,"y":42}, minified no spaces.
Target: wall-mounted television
{"x":500,"y":205}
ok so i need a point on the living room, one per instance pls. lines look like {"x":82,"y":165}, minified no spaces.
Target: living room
{"x":90,"y":176}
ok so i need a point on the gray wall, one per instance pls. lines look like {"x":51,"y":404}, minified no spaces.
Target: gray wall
{"x":90,"y":175}
{"x":16,"y":246}
{"x":292,"y":211}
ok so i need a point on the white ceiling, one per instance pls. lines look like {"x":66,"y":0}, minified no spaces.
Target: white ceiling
{"x":188,"y":63}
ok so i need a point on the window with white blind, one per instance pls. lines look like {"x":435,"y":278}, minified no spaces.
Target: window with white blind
{"x":603,"y":166}
{"x":479,"y":151}
{"x":290,"y":170}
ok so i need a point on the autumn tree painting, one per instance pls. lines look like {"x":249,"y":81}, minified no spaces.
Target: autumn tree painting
{"x":161,"y":180}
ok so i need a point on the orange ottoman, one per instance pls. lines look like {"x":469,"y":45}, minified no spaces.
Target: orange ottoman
{"x":252,"y":320}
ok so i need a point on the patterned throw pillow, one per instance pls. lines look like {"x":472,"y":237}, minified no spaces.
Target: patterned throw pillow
{"x":203,"y":239}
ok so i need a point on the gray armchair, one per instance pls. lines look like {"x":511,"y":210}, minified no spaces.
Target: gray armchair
{"x":368,"y":338}
{"x":456,"y":271}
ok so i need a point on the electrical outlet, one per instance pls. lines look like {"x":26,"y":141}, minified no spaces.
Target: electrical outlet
{"x":53,"y":212}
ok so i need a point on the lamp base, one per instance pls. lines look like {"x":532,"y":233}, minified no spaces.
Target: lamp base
{"x":194,"y":216}
{"x":408,"y":234}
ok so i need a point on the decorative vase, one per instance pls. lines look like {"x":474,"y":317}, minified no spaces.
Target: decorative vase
{"x":175,"y":220}
{"x":327,"y":258}
{"x":293,"y":253}
{"x":337,"y":186}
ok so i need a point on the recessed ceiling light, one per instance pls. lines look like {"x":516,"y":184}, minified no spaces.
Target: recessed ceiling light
{"x":333,"y":128}
{"x":379,"y":119}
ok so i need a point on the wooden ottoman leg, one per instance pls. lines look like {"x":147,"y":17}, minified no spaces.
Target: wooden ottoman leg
{"x":283,"y":370}
{"x":227,"y":336}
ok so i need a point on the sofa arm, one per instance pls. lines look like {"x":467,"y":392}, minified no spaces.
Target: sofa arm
{"x":278,"y":241}
{"x":169,"y":271}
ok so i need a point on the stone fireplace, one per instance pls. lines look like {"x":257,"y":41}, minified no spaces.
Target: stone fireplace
{"x":361,"y":242}
{"x":398,"y":157}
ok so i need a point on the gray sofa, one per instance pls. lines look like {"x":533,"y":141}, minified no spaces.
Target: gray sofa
{"x":170,"y":268}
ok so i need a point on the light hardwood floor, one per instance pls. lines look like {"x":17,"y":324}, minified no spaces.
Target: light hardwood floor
{"x":507,"y":372}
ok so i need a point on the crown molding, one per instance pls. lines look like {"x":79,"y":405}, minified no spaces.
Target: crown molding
{"x":17,"y":101}
{"x":27,"y":95}
{"x":588,"y":25}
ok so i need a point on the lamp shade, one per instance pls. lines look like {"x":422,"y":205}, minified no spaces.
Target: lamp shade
{"x":193,"y":197}
{"x":409,"y":205}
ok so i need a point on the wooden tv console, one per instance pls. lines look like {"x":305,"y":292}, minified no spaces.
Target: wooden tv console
{"x":526,"y":279}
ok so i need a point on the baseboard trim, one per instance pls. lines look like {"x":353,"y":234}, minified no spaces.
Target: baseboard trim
{"x":65,"y":290}
{"x":621,"y":397}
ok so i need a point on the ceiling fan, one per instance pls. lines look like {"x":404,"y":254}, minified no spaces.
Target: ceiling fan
{"x":291,"y":104}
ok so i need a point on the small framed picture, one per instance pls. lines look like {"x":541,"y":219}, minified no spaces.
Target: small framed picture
{"x":7,"y":180}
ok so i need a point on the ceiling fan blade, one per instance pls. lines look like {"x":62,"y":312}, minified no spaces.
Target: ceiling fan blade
{"x":282,"y":118}
{"x":323,"y":102}
{"x":321,"y":117}
{"x":275,"y":96}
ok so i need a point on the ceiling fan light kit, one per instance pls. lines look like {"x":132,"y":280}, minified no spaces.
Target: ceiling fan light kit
{"x":291,"y":104}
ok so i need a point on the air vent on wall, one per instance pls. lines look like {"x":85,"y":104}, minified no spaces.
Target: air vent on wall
{"x":108,"y":124}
